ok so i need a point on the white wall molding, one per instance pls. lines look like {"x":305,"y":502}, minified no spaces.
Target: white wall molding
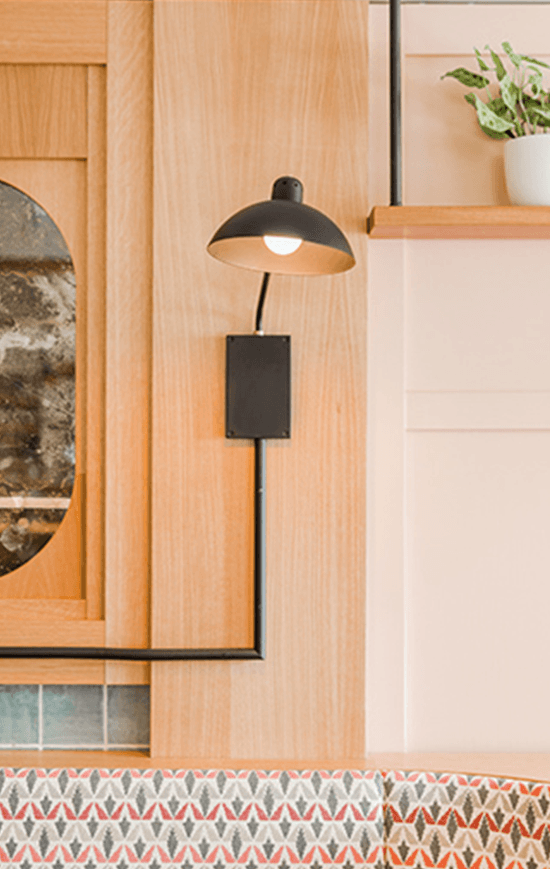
{"x":385,"y":653}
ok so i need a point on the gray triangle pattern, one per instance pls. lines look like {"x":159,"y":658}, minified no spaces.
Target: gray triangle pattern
{"x":228,"y":818}
{"x":190,"y":818}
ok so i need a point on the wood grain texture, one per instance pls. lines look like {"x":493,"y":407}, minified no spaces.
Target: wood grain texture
{"x":54,"y":610}
{"x":59,"y":186}
{"x":526,"y":766}
{"x":46,"y":107}
{"x":56,"y":571}
{"x":53,"y":32}
{"x":128,"y":337}
{"x":39,"y":632}
{"x":94,"y":389}
{"x":51,"y":672}
{"x":481,"y":221}
{"x":235,"y":109}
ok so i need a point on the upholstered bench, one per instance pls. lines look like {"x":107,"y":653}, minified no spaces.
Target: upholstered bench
{"x":220,"y":818}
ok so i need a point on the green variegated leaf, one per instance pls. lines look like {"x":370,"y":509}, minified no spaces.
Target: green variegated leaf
{"x":509,"y":92}
{"x":493,"y":134}
{"x":482,"y":65}
{"x":535,"y":80}
{"x":498,"y":106}
{"x":528,"y":59}
{"x":515,"y":58}
{"x":499,"y":66}
{"x":543,"y":113}
{"x":470,"y":79}
{"x":521,"y":105}
{"x":487,"y":118}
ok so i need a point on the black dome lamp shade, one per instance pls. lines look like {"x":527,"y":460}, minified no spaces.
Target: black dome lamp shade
{"x":283,"y":236}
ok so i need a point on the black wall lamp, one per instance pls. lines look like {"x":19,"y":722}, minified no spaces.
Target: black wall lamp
{"x":281,"y":236}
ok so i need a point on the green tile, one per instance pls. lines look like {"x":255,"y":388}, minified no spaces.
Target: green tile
{"x":72,"y":715}
{"x":18,"y":715}
{"x":128,"y":715}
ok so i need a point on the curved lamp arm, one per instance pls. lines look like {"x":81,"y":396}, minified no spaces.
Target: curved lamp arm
{"x":260,"y":309}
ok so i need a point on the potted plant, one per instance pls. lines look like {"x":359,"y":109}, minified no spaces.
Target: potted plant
{"x":517,"y":112}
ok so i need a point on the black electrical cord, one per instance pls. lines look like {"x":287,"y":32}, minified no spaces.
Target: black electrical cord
{"x":261,"y":300}
{"x":257,"y":652}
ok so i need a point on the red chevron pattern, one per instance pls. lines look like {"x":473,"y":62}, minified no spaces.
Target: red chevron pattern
{"x":228,"y":818}
{"x":465,"y":822}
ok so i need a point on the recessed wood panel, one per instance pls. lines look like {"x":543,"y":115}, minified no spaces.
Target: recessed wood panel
{"x":232,"y":115}
{"x":53,"y":32}
{"x":59,"y":186}
{"x":46,"y":108}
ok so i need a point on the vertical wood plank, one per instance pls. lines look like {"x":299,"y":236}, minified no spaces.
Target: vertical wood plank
{"x":233,"y":114}
{"x":129,"y":270}
{"x":95,"y":342}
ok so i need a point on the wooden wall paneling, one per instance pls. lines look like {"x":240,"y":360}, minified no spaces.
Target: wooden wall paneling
{"x":54,"y":610}
{"x":49,"y":623}
{"x":42,"y":632}
{"x":59,"y":186}
{"x":129,"y":276}
{"x":46,"y":107}
{"x":54,"y":32}
{"x":50,"y":672}
{"x":95,"y":342}
{"x":232,"y":114}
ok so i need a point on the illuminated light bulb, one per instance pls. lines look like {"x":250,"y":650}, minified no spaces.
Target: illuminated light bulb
{"x":281,"y":244}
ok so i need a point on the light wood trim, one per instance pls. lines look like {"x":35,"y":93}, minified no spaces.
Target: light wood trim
{"x":54,"y":610}
{"x":129,"y":278}
{"x":46,"y":107}
{"x":527,"y":767}
{"x":481,"y":221}
{"x":94,"y":391}
{"x":229,"y":119}
{"x":38,"y":632}
{"x":53,"y":32}
{"x":47,"y":671}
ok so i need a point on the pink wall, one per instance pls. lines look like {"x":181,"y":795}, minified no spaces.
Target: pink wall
{"x":459,"y":420}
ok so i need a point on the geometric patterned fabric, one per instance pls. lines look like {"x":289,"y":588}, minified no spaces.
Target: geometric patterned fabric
{"x":92,"y":818}
{"x":465,"y":821}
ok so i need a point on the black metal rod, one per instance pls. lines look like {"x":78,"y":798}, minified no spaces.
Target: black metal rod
{"x":108,"y":654}
{"x":396,"y":154}
{"x":260,"y":453}
{"x":259,"y":643}
{"x":261,"y":301}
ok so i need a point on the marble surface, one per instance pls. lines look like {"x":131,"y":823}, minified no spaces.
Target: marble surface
{"x":37,"y":378}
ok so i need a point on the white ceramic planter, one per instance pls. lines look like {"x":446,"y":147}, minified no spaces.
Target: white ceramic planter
{"x":527,"y":169}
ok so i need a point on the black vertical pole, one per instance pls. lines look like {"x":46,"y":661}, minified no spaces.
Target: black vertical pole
{"x":259,"y":545}
{"x":396,"y":157}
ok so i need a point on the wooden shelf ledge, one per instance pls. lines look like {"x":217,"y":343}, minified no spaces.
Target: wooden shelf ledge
{"x":525,"y":766}
{"x":459,"y":221}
